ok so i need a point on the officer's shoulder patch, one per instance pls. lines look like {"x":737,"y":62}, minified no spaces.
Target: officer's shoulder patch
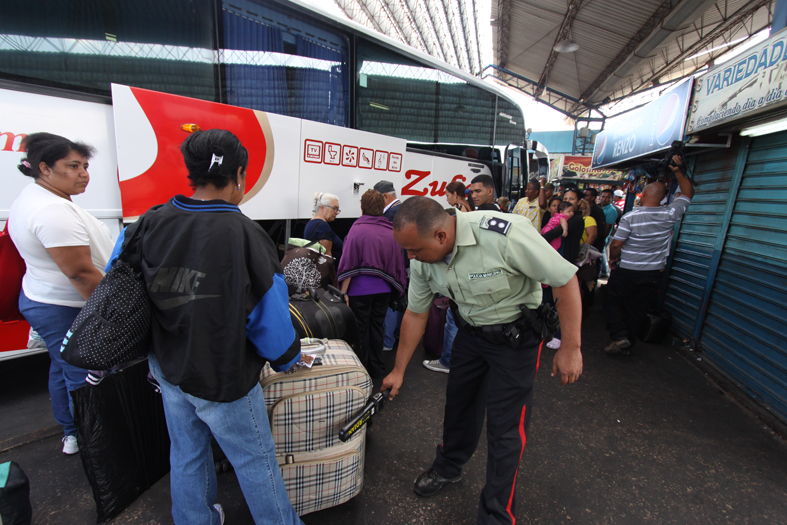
{"x":495,"y":224}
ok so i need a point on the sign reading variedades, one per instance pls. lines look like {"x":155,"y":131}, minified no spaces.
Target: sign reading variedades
{"x":646,"y":130}
{"x":736,"y":89}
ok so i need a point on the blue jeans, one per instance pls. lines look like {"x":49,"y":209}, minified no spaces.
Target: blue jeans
{"x":448,"y":338}
{"x":52,"y":321}
{"x":244,"y":434}
{"x":393,"y":320}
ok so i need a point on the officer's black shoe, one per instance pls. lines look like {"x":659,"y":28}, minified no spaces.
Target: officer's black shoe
{"x":430,"y":482}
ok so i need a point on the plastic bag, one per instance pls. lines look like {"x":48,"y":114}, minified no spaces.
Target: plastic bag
{"x":123,"y":439}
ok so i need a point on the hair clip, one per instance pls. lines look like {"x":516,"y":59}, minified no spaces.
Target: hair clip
{"x":215,"y":159}
{"x":26,"y":164}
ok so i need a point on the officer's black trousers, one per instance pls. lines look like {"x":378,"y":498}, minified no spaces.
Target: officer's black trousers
{"x":499,"y":380}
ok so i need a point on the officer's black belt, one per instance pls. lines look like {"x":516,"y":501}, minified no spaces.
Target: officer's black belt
{"x":497,"y":334}
{"x":543,"y":322}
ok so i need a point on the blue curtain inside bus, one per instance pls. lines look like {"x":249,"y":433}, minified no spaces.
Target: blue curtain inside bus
{"x":318,"y":91}
{"x":270,"y":66}
{"x":262,"y":87}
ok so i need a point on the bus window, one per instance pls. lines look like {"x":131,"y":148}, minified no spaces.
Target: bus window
{"x":402,"y":98}
{"x":277,"y":61}
{"x":156,"y":44}
{"x":510,"y":123}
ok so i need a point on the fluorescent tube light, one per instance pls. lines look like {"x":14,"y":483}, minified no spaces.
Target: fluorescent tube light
{"x":379,"y":106}
{"x":764,"y":129}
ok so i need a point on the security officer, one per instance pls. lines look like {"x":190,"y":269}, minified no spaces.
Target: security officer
{"x":488,"y":263}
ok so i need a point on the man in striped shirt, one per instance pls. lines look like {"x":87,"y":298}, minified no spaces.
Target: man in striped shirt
{"x":638,"y":254}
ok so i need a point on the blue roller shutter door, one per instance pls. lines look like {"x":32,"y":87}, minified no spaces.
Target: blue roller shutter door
{"x":744,"y":333}
{"x":699,"y":230}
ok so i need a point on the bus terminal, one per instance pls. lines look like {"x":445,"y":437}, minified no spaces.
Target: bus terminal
{"x":393,"y":262}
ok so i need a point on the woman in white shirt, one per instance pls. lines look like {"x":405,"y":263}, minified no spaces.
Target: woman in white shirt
{"x":65,"y":250}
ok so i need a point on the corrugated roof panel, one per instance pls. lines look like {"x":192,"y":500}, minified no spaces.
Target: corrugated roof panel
{"x":605,"y":28}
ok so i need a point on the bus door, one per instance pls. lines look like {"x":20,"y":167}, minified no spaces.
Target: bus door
{"x":515,"y":171}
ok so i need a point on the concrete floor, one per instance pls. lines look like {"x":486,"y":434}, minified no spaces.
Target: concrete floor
{"x":645,"y":438}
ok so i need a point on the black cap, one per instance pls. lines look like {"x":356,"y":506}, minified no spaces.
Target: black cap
{"x":385,"y":186}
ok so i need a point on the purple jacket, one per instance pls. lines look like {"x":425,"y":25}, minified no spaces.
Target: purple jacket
{"x":370,"y":249}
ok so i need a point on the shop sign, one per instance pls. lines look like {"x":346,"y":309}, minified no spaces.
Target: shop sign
{"x":742,"y":87}
{"x":649,"y":129}
{"x":582,"y":166}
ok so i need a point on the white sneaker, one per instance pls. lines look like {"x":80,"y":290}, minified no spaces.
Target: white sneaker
{"x":436,"y":366}
{"x":70,"y":445}
{"x":554,"y":344}
{"x":220,"y":509}
{"x":387,"y":348}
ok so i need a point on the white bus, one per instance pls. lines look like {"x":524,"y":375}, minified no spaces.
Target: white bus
{"x":342,"y":107}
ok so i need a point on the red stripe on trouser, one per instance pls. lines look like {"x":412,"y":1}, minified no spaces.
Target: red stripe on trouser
{"x":524,"y":440}
{"x":538,"y":359}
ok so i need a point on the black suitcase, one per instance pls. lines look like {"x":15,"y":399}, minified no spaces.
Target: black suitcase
{"x":324,"y":314}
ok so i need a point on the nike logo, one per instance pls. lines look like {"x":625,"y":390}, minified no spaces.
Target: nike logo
{"x":168,"y":304}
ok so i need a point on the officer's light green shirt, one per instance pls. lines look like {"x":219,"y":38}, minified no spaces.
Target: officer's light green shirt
{"x":499,"y":262}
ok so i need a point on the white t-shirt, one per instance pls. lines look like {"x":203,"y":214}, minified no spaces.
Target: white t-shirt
{"x":38,"y":220}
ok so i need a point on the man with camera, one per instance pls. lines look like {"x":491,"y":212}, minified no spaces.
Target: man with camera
{"x":491,"y":265}
{"x":637,"y":256}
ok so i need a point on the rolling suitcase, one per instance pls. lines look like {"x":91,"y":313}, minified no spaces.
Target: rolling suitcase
{"x":323,"y":315}
{"x":307,"y":409}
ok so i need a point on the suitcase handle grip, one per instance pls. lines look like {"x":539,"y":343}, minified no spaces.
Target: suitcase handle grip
{"x":312,"y":346}
{"x":335,"y":291}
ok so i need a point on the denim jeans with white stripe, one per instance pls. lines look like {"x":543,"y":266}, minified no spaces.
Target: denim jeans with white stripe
{"x":243,"y":432}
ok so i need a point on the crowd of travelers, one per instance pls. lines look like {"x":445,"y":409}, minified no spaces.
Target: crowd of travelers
{"x":498,"y":262}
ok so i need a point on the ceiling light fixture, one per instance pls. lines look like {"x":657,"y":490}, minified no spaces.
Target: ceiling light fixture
{"x":379,"y":106}
{"x":566,"y":46}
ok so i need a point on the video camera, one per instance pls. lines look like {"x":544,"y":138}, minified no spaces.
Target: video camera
{"x":661,"y":170}
{"x":667,"y":161}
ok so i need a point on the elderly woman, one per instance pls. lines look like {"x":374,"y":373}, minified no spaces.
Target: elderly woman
{"x":326,"y":209}
{"x":65,"y":249}
{"x":371,"y":269}
{"x":208,"y":349}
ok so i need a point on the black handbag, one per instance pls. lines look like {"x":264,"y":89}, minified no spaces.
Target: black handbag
{"x":114,"y":325}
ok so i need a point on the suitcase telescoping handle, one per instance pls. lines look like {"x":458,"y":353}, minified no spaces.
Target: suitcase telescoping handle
{"x":375,"y":404}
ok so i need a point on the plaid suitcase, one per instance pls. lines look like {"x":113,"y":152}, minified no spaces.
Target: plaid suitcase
{"x":306,"y":410}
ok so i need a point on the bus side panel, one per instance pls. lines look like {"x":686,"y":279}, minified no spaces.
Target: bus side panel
{"x":428,"y":175}
{"x":347,"y":163}
{"x":289,"y":159}
{"x":276,"y":193}
{"x":13,"y":340}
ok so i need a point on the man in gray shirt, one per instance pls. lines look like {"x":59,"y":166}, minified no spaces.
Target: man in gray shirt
{"x":637,"y":256}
